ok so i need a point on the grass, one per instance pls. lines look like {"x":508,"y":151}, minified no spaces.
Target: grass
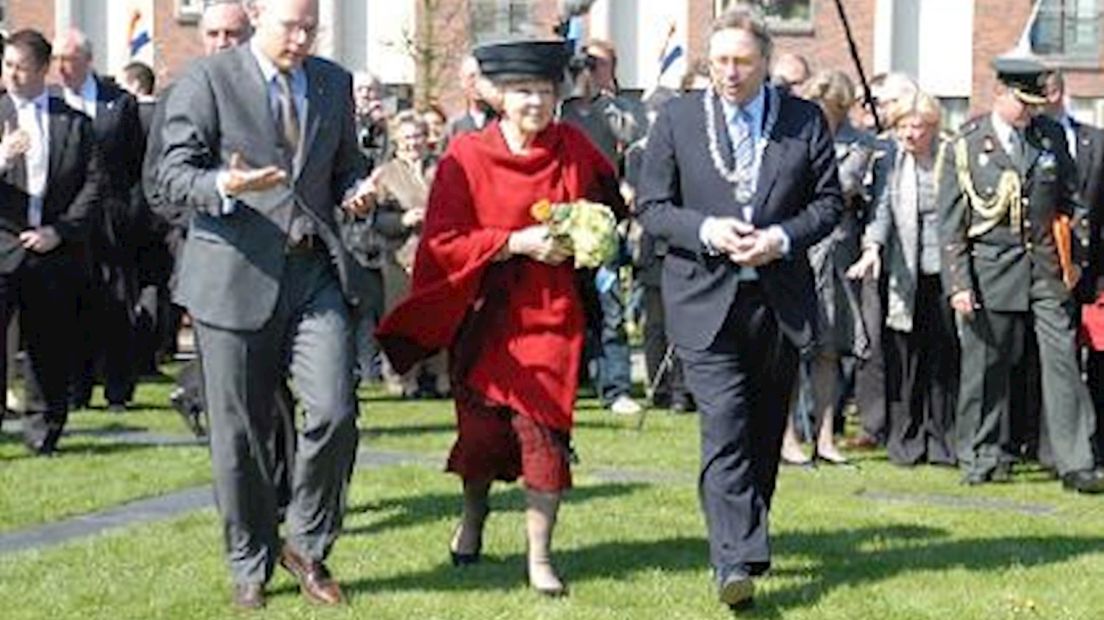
{"x":872,"y":542}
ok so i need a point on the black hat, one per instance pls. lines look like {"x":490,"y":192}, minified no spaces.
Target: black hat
{"x":525,"y":59}
{"x":1025,"y":76}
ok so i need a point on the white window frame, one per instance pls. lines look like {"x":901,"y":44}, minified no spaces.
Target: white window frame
{"x":503,"y":24}
{"x":1084,"y":56}
{"x":774,"y":24}
{"x":189,"y":11}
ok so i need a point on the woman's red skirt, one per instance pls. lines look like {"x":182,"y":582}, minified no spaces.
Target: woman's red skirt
{"x":496,"y":443}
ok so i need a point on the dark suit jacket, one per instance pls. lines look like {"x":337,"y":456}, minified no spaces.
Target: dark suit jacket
{"x":1090,"y":176}
{"x":1002,"y":265}
{"x":73,"y":184}
{"x":232,"y":263}
{"x":119,"y":136}
{"x":798,"y":189}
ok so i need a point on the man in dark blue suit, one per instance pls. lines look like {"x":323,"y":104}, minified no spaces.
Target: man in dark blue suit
{"x":739,"y":180}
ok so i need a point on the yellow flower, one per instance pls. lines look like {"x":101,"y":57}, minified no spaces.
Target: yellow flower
{"x":541,"y":210}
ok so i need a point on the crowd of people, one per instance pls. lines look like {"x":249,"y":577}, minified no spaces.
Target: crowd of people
{"x":800,"y":253}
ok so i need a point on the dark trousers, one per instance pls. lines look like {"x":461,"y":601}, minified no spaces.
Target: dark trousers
{"x":109,"y":338}
{"x":870,"y":377}
{"x":41,"y":289}
{"x":670,"y":387}
{"x":1094,"y":375}
{"x":742,"y":384}
{"x":922,"y":373}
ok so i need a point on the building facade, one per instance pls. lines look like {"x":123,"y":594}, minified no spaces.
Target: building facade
{"x":418,"y":44}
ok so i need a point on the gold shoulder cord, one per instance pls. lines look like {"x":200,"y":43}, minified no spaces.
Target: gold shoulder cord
{"x":1006,"y":200}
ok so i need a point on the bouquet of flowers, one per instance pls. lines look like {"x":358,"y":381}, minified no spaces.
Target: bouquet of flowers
{"x":588,"y":228}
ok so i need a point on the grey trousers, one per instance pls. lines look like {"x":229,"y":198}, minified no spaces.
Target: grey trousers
{"x":991,"y":343}
{"x":309,"y":338}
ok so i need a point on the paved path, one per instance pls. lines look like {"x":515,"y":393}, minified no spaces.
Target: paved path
{"x":197,"y":498}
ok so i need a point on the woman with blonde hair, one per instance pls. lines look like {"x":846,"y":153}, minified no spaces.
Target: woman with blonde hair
{"x":902,"y":237}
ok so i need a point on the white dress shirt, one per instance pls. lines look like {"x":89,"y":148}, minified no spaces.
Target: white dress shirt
{"x":1071,"y":134}
{"x":1008,"y":135}
{"x":33,"y":117}
{"x":83,"y":100}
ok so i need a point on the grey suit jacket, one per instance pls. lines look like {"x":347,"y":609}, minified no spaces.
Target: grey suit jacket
{"x":232,"y":263}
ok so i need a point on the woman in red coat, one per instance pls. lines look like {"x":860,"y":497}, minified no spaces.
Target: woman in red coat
{"x":492,"y":287}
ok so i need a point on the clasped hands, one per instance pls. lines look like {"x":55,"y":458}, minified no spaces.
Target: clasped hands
{"x":536,"y":242}
{"x":239,"y":177}
{"x":742,"y":242}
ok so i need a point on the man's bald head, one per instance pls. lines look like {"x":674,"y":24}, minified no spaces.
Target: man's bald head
{"x":285,"y":30}
{"x":225,"y":24}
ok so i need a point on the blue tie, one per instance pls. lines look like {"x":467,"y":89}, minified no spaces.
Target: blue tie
{"x":743,"y":147}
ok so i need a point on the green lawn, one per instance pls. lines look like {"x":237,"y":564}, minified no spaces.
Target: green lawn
{"x":869,"y":542}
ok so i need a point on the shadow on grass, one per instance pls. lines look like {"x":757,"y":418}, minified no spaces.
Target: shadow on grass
{"x":840,"y":559}
{"x":416,"y":510}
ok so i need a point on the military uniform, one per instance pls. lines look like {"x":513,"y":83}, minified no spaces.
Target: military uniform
{"x":998,"y":211}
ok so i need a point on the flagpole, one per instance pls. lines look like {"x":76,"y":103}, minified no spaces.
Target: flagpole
{"x":867,"y":95}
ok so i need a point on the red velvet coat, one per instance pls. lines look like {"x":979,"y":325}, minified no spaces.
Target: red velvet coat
{"x":514,"y":328}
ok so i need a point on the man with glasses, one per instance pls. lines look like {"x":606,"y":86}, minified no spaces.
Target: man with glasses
{"x":260,"y":143}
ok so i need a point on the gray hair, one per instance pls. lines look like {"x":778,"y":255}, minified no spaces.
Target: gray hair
{"x":78,"y":39}
{"x":749,"y":19}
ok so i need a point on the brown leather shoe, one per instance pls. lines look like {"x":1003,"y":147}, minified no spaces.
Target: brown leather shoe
{"x":249,"y":595}
{"x":314,"y":578}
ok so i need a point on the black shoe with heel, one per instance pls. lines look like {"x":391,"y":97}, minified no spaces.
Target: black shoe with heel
{"x":465,"y":559}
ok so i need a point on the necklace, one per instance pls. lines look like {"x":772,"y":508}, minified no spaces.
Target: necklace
{"x":743,"y":180}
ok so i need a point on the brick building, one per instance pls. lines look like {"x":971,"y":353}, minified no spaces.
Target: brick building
{"x":946,"y":44}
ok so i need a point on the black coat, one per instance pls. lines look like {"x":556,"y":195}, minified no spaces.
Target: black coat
{"x":798,"y":189}
{"x":73,"y":184}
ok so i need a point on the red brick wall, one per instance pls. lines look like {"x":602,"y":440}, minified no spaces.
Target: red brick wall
{"x":453,"y":31}
{"x":176,"y":42}
{"x":824,"y":45}
{"x":997,"y":27}
{"x":37,"y":14}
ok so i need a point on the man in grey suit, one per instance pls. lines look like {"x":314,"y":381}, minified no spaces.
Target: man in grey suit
{"x":260,"y":142}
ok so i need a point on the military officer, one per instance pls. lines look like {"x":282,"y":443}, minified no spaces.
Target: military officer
{"x":1004,"y":181}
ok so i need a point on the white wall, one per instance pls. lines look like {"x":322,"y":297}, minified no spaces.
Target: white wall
{"x":638,"y":29}
{"x":932,"y":40}
{"x":946,"y":59}
{"x":380,"y":45}
{"x":105,"y":23}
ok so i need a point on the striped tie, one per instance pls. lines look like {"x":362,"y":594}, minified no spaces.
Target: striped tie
{"x":743,"y":147}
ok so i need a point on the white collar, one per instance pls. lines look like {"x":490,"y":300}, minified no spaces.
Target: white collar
{"x":1003,"y":129}
{"x":39,"y":102}
{"x":88,"y":89}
